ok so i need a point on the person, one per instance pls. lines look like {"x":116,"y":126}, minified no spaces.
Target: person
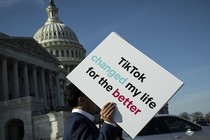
{"x":80,"y":124}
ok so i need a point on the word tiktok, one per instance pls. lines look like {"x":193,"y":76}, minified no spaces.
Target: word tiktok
{"x":132,"y":69}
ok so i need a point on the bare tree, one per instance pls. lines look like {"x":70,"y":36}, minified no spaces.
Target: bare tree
{"x":207,"y":115}
{"x":185,"y":115}
{"x":197,"y":116}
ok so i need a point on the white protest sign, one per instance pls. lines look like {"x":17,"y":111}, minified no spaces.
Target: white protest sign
{"x":117,"y":72}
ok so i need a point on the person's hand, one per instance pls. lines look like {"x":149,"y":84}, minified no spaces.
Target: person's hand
{"x":107,"y":112}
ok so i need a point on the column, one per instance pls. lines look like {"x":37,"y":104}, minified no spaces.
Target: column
{"x":15,"y":93}
{"x":44,"y":93}
{"x":51,"y":91}
{"x":4,"y":80}
{"x":26,"y":83}
{"x":50,"y":79}
{"x":35,"y":82}
{"x":57,"y":96}
{"x":68,"y":70}
{"x":63,"y":93}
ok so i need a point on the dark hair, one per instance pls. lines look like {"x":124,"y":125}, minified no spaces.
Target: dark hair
{"x":72,"y":95}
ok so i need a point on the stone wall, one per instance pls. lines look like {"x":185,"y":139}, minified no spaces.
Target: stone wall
{"x":50,"y":126}
{"x":18,"y":110}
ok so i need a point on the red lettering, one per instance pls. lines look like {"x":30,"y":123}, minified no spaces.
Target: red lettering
{"x":116,"y":93}
{"x":133,"y":108}
{"x":137,"y":111}
{"x":126,"y":102}
{"x":121,"y":98}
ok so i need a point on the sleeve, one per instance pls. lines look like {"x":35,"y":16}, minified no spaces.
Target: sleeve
{"x":107,"y":132}
{"x":84,"y":130}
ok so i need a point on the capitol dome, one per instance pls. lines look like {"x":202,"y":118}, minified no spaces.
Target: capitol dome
{"x":55,"y":31}
{"x":60,"y":40}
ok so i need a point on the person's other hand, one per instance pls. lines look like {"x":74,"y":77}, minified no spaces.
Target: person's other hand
{"x":107,"y":112}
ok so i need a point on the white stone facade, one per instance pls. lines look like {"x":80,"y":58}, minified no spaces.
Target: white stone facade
{"x":31,"y":83}
{"x":33,"y":80}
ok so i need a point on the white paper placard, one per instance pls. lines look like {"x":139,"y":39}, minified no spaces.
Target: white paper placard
{"x":115,"y":71}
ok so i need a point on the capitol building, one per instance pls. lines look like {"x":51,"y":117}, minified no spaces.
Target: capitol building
{"x":33,"y":80}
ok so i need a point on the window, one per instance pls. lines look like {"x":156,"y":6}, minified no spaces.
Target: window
{"x":76,"y":54}
{"x":57,"y":53}
{"x":67,"y":53}
{"x":62,"y":53}
{"x":155,"y":126}
{"x":178,"y":125}
{"x":72,"y":53}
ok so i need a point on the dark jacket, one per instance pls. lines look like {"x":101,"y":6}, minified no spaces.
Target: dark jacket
{"x":80,"y":127}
